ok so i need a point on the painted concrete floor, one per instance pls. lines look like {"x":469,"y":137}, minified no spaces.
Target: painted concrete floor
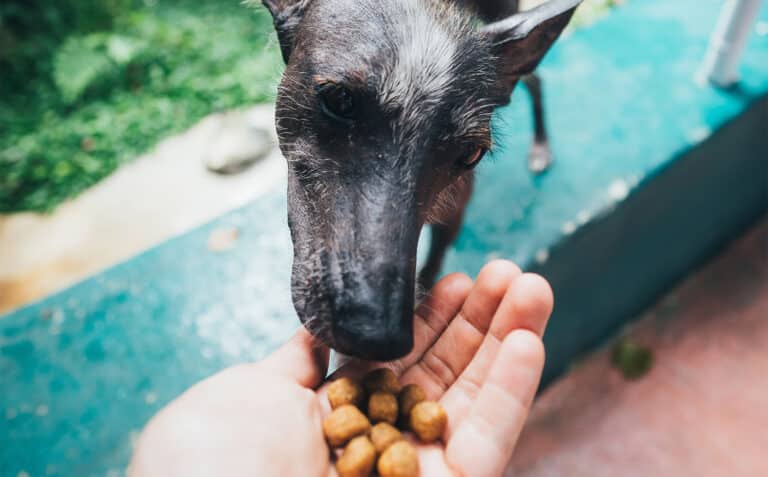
{"x":701,"y":410}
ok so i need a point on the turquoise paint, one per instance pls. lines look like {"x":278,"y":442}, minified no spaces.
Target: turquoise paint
{"x":103,"y":356}
{"x":83,"y":370}
{"x":618,"y":115}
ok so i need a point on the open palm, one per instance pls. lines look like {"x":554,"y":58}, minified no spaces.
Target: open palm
{"x":477,"y":350}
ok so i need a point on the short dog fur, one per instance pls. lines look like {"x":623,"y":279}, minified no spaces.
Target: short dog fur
{"x":383,"y":111}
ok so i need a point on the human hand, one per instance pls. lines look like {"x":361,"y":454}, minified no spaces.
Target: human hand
{"x":477,"y":351}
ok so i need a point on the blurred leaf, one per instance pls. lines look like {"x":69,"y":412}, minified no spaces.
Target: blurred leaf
{"x":122,"y":49}
{"x":77,"y":65}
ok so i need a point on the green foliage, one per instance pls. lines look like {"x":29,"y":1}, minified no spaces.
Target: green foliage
{"x":122,"y":49}
{"x":79,"y":63}
{"x":87,"y":60}
{"x":31,"y":29}
{"x":99,"y":99}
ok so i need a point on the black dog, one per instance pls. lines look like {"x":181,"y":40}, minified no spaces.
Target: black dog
{"x":382,"y":113}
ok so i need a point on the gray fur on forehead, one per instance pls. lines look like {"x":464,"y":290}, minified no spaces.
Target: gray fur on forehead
{"x":396,"y":41}
{"x":413,"y":53}
{"x":426,"y":48}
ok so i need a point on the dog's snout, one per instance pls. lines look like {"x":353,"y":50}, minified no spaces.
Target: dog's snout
{"x":374,"y":321}
{"x":362,"y":334}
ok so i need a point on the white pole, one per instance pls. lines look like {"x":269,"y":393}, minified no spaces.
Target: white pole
{"x":728,"y":41}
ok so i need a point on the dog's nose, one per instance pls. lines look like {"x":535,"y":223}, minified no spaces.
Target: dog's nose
{"x":372,"y":314}
{"x":361,"y":334}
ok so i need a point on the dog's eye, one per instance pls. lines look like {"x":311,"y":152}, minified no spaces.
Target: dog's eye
{"x":337,"y":102}
{"x":473,"y":159}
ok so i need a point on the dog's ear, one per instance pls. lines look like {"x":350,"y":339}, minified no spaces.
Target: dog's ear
{"x":521,"y":40}
{"x":287,"y":15}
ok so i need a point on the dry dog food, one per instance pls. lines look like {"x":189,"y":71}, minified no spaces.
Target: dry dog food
{"x":382,"y":379}
{"x":344,"y":423}
{"x":399,"y":460}
{"x":345,"y":391}
{"x":383,"y":435}
{"x":381,"y":446}
{"x":411,"y":395}
{"x":358,"y":458}
{"x":428,"y":420}
{"x":382,"y":407}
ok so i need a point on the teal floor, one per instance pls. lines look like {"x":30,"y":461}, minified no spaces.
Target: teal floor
{"x":83,"y":370}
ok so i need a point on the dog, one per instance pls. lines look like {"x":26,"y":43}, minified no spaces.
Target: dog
{"x":382,"y":113}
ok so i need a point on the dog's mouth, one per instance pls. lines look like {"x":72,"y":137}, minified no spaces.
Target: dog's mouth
{"x":364,"y":311}
{"x":364,"y":332}
{"x":370,"y":346}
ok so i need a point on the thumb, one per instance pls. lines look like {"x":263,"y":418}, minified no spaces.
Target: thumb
{"x":301,"y":359}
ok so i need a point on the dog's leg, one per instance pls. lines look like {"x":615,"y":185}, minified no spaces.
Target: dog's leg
{"x":540,"y":156}
{"x":443,"y":235}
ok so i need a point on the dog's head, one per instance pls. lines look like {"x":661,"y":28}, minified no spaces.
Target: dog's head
{"x":383,"y":108}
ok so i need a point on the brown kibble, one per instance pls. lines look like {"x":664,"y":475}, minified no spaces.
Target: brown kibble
{"x":358,"y":458}
{"x":344,"y":423}
{"x":399,"y":460}
{"x":345,"y":391}
{"x":428,"y":421}
{"x":382,"y":407}
{"x":411,"y":395}
{"x":382,"y":379}
{"x":383,"y":435}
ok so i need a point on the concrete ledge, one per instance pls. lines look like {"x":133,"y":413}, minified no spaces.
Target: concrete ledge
{"x":612,"y":268}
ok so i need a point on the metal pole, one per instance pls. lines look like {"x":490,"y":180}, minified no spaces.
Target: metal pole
{"x":728,"y":41}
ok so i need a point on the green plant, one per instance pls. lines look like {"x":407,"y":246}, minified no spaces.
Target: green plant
{"x":31,"y":29}
{"x":99,"y":99}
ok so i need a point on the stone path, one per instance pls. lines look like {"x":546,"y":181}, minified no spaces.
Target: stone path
{"x":162,"y":194}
